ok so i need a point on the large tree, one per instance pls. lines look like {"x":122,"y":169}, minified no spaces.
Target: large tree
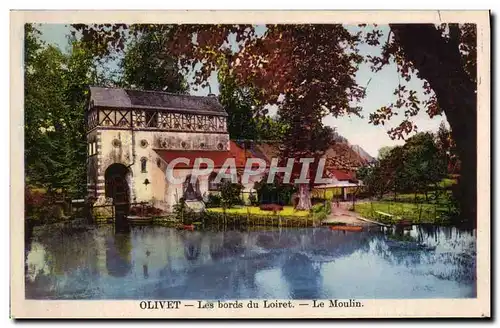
{"x":54,"y":109}
{"x":248,"y":119}
{"x":146,"y":65}
{"x":445,"y":58}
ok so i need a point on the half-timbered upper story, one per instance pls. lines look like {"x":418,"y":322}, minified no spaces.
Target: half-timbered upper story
{"x":114,"y":108}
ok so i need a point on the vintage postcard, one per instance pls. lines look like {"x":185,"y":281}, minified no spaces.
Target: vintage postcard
{"x":260,"y":164}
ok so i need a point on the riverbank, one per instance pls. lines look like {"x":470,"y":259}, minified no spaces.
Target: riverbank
{"x":395,"y":212}
{"x":230,"y":218}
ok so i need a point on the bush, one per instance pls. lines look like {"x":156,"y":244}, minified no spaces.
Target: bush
{"x":230,"y":194}
{"x":328,"y":207}
{"x":325,"y":207}
{"x":214,"y":200}
{"x":318,"y":208}
{"x":182,"y":212}
{"x":274,"y":193}
{"x":320,"y":216}
{"x":39,"y":206}
{"x":253,"y":199}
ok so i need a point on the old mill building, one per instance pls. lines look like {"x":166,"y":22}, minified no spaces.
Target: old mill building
{"x":133,"y":135}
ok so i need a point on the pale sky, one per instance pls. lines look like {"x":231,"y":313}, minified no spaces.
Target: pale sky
{"x":357,"y":130}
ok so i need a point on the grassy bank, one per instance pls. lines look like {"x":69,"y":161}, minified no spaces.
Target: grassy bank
{"x":235,"y":218}
{"x":416,"y":212}
{"x":254,"y":210}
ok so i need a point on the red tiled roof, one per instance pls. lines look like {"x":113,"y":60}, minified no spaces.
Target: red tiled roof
{"x":342,"y":175}
{"x":219,"y":157}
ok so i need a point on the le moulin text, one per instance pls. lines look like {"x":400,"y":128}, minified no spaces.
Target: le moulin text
{"x":266,"y":304}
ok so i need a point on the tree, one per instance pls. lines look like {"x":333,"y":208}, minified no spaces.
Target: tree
{"x":146,"y":64}
{"x":383,"y":152}
{"x":413,"y":167}
{"x":424,"y":164}
{"x":240,"y":103}
{"x":445,"y":58}
{"x":55,"y":96}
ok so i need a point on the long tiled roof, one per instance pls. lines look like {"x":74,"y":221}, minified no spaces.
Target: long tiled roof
{"x":139,"y":99}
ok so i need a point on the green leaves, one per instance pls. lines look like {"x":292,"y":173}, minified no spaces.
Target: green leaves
{"x":148,"y":65}
{"x":55,"y":95}
{"x":408,"y":168}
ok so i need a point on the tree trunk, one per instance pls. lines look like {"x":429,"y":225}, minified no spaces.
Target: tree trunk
{"x":304,"y":198}
{"x":439,"y":62}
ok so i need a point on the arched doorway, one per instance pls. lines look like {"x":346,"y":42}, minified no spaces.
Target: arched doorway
{"x":116,"y":187}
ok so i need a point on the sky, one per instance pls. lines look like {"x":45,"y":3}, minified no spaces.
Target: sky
{"x":357,"y":130}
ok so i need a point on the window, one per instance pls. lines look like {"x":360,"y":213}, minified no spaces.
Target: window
{"x":151,"y":119}
{"x":144,"y":143}
{"x":144,"y":161}
{"x":116,"y":143}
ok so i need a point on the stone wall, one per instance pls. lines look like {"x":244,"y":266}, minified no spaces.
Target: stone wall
{"x":147,"y":171}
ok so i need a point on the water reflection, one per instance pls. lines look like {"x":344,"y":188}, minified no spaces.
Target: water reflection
{"x":156,"y":262}
{"x":118,"y":254}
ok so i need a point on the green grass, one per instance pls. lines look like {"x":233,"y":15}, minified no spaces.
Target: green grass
{"x":418,"y":213}
{"x":446,"y":183}
{"x":444,"y":197}
{"x":254,"y":210}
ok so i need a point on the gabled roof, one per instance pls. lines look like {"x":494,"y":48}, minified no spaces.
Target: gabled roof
{"x":154,"y":100}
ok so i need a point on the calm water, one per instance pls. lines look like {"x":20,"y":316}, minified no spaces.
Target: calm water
{"x":163,"y":263}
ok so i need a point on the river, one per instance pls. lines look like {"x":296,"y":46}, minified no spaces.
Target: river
{"x":155,"y":262}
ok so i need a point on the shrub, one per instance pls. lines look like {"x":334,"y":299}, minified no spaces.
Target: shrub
{"x":253,"y":199}
{"x":213,"y":200}
{"x":274,"y":193}
{"x":182,"y":212}
{"x":230,"y":194}
{"x":320,"y":216}
{"x":40,"y":206}
{"x":328,"y":207}
{"x":317,"y":208}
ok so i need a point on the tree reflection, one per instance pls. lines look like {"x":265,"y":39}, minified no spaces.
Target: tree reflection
{"x":118,"y":254}
{"x":455,"y":260}
{"x":226,"y":244}
{"x":192,"y":245}
{"x":302,"y":277}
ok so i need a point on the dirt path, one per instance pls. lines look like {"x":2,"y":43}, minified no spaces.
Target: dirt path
{"x":340,"y":214}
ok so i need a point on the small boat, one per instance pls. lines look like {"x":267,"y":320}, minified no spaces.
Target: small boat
{"x":134,"y":219}
{"x":346,"y":228}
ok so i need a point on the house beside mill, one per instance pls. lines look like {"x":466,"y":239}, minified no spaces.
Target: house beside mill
{"x":133,"y":135}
